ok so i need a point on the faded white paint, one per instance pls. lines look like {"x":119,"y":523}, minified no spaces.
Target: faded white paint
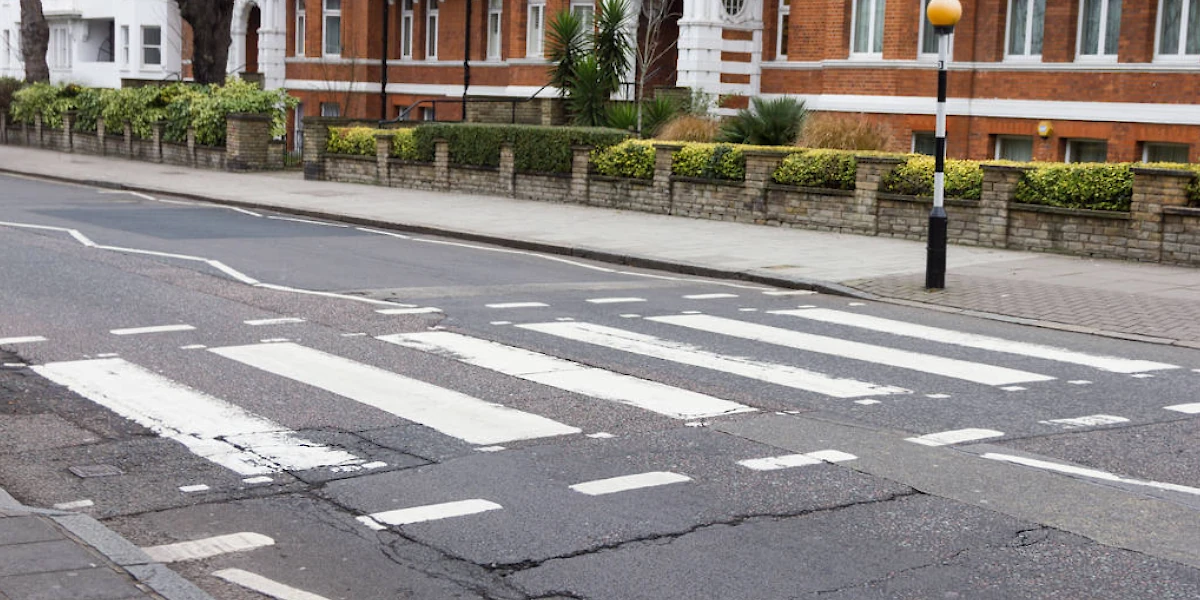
{"x":517,"y":305}
{"x":626,"y":483}
{"x":21,"y":340}
{"x":1088,"y":421}
{"x":1192,"y":408}
{"x":208,"y":547}
{"x":1089,"y":473}
{"x":262,"y":585}
{"x":709,"y":296}
{"x":422,"y":310}
{"x":615,"y":300}
{"x":432,"y":512}
{"x":152,"y":329}
{"x":957,"y":436}
{"x":277,"y":321}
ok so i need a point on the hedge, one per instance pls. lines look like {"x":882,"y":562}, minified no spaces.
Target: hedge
{"x":1096,"y":186}
{"x":963,"y":178}
{"x":360,"y":141}
{"x":536,"y":148}
{"x":631,"y":158}
{"x":829,"y":169}
{"x":710,"y":161}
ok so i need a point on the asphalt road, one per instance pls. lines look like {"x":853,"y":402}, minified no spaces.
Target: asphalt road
{"x":371,"y":414}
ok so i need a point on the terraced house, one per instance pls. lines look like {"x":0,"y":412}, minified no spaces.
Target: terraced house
{"x":1060,"y":80}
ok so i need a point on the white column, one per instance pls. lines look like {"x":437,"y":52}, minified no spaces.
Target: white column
{"x":272,"y":43}
{"x":699,"y":64}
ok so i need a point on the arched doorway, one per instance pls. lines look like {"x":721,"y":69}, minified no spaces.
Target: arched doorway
{"x":253,"y":23}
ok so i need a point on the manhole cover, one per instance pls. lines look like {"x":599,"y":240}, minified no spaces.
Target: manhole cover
{"x":87,"y":471}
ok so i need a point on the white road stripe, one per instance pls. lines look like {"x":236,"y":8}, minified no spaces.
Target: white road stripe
{"x":208,"y":547}
{"x":432,"y":512}
{"x":626,"y":483}
{"x":970,"y":340}
{"x":308,"y":221}
{"x":957,"y":436}
{"x":211,"y":428}
{"x":188,"y":489}
{"x":1088,"y":421}
{"x":1091,"y":473}
{"x":244,"y":211}
{"x":517,"y":305}
{"x":614,"y":300}
{"x":262,"y":585}
{"x":21,"y":340}
{"x":789,"y":293}
{"x":709,"y":296}
{"x":450,"y":412}
{"x":772,"y":463}
{"x":1189,"y":409}
{"x":645,"y":345}
{"x":278,"y":321}
{"x":567,"y":375}
{"x":409,"y":311}
{"x":915,"y":361}
{"x":154,"y":329}
{"x":74,"y":505}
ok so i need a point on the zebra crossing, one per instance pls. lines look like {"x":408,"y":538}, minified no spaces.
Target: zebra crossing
{"x":252,"y":445}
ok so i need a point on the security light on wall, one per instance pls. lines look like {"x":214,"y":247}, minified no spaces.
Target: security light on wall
{"x":1045,"y":129}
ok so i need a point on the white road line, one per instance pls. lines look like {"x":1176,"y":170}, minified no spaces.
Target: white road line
{"x":387,"y":233}
{"x":450,"y":412}
{"x":882,"y":355}
{"x":645,"y":345}
{"x":74,"y":505}
{"x":244,"y":211}
{"x":1090,"y":473}
{"x":1088,"y":421}
{"x":568,"y":375}
{"x":832,"y":456}
{"x":957,"y":436}
{"x":21,"y":340}
{"x":284,"y":288}
{"x":747,"y":310}
{"x":256,"y":480}
{"x":789,"y":293}
{"x":1013,"y":388}
{"x":432,"y":512}
{"x":970,"y":340}
{"x":709,"y":296}
{"x":208,"y":547}
{"x":193,"y":347}
{"x":772,"y":463}
{"x":614,"y":300}
{"x":278,"y":321}
{"x":867,"y":402}
{"x":626,"y":483}
{"x":307,"y":221}
{"x":211,"y":428}
{"x":630,"y":316}
{"x":601,"y":435}
{"x":262,"y":585}
{"x":517,"y":305}
{"x":154,"y":329}
{"x":501,"y":323}
{"x":188,"y":489}
{"x":409,"y":311}
{"x":1190,"y":409}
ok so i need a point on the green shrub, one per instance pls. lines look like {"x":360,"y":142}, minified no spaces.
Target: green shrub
{"x":775,"y":122}
{"x":44,"y":99}
{"x":829,"y":169}
{"x":1098,"y":186}
{"x":208,"y":111}
{"x":710,"y":161}
{"x":535,"y":148}
{"x":89,"y":106}
{"x":180,"y":103}
{"x":621,"y":115}
{"x":656,"y":113}
{"x":631,"y":158}
{"x":356,"y":141}
{"x":8,"y":87}
{"x":963,"y":178}
{"x":404,"y":144}
{"x":140,"y":106}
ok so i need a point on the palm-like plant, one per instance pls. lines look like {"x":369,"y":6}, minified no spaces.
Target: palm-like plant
{"x":566,"y":43}
{"x":587,"y":67}
{"x":776,"y":122}
{"x":612,"y":45}
{"x":589,"y":93}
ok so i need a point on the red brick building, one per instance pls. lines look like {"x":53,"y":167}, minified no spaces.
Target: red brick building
{"x":1043,"y":79}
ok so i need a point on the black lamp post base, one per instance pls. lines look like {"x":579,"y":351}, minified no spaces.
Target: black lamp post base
{"x":935,"y":260}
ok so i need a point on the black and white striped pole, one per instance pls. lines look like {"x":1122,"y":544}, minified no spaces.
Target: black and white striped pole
{"x":943,"y":15}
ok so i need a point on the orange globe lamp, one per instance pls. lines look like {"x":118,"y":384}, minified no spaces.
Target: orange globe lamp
{"x":944,"y":14}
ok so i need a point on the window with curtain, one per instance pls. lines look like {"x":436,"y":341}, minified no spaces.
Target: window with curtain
{"x":1026,"y":19}
{"x":785,"y":12}
{"x":1099,"y":27}
{"x":1017,"y":148}
{"x":867,"y":27}
{"x":536,"y":29}
{"x":151,"y":45}
{"x":1179,"y":28}
{"x":406,"y":29}
{"x":924,"y":142}
{"x":431,"y":29}
{"x":1080,"y":151}
{"x":495,"y":11}
{"x":332,"y":28}
{"x":300,"y":24}
{"x":1156,"y":152}
{"x":929,"y":38}
{"x":586,"y":12}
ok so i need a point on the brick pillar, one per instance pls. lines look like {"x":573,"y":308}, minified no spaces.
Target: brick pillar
{"x":661,"y":187}
{"x":1152,"y":190}
{"x":37,"y":129}
{"x":191,"y":146}
{"x":156,"y":138}
{"x":760,"y":166}
{"x":316,"y":138}
{"x":100,"y":136}
{"x":580,"y":165}
{"x":128,"y":139}
{"x":867,"y":179}
{"x":441,"y":164}
{"x":383,"y":152}
{"x":999,"y":187}
{"x":247,"y":142}
{"x":508,"y":169}
{"x":69,"y":131}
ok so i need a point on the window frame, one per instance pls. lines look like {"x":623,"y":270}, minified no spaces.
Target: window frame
{"x":782,"y":21}
{"x":335,"y":112}
{"x":1101,"y":39}
{"x":1000,"y":139}
{"x":7,"y":47}
{"x":921,"y":33}
{"x":877,"y":7}
{"x":1146,"y":149}
{"x":146,"y":46}
{"x":1067,"y":155}
{"x":407,"y":28}
{"x":300,"y":23}
{"x":327,"y":14}
{"x":1182,"y":55}
{"x":535,"y":47}
{"x":577,"y":7}
{"x":1028,"y":55}
{"x":496,"y":38}
{"x":916,"y":137}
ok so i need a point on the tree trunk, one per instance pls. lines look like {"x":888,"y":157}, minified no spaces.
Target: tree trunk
{"x":210,"y":21}
{"x":35,"y":40}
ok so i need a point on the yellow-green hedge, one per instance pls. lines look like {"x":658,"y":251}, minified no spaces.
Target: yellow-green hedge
{"x":963,"y":178}
{"x":631,"y":158}
{"x":360,"y":141}
{"x":829,"y":169}
{"x":1096,"y":186}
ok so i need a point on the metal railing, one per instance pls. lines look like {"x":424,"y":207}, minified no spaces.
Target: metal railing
{"x":434,"y":102}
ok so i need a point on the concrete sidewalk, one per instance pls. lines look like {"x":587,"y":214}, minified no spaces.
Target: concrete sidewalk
{"x":1141,"y":301}
{"x":58,"y":555}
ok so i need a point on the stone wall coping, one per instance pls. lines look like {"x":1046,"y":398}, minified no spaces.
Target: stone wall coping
{"x":387,"y":135}
{"x":879,"y":160}
{"x":578,"y":147}
{"x":616,"y":179}
{"x":1071,"y":212}
{"x":950,"y":201}
{"x":1182,"y":173}
{"x":808,"y":190}
{"x":543,"y":174}
{"x":1005,"y":168}
{"x":248,"y":116}
{"x":703,"y":180}
{"x":367,"y":158}
{"x":780,"y":154}
{"x":1188,"y":211}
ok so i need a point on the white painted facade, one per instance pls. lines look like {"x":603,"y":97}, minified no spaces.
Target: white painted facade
{"x":701,"y":43}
